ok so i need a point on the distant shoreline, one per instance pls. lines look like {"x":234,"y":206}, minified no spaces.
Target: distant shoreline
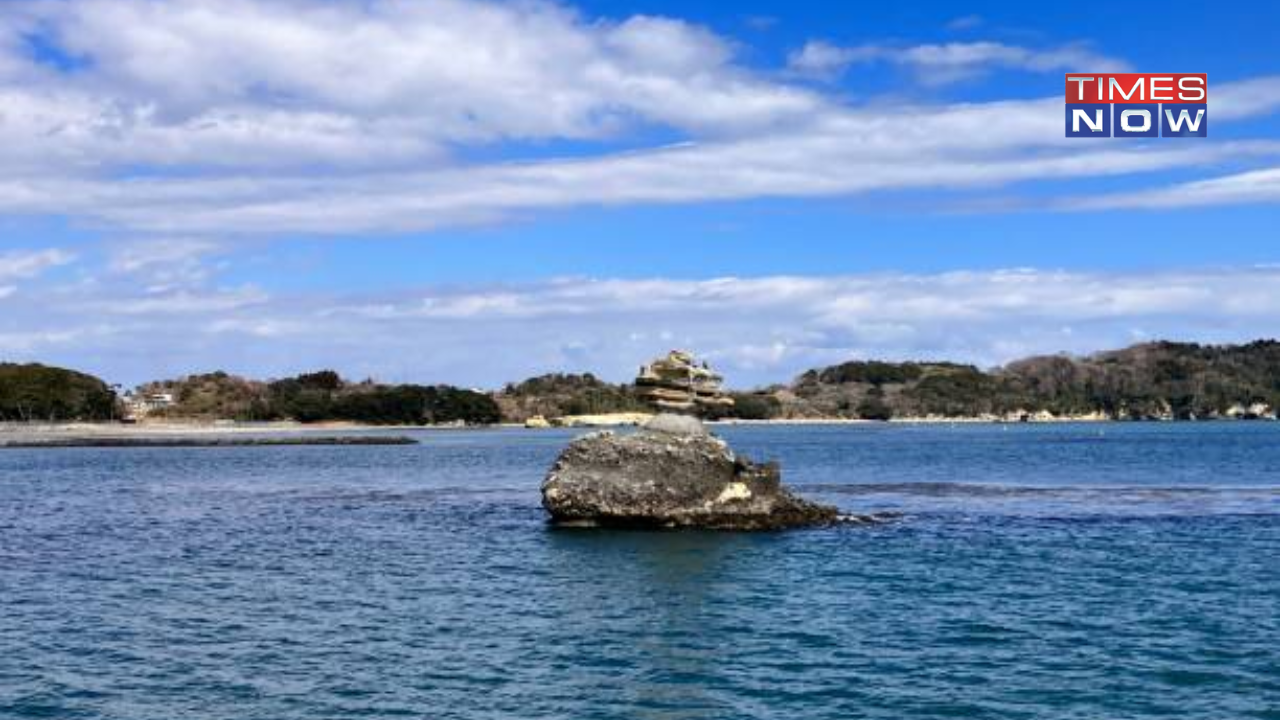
{"x":986,"y":421}
{"x":193,"y":434}
{"x":222,"y":433}
{"x":1155,"y":381}
{"x":192,"y":441}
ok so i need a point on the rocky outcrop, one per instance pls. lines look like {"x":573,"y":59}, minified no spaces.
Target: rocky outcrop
{"x":672,"y":473}
{"x":677,"y":382}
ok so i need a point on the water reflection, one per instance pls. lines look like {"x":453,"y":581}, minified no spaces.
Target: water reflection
{"x":666,"y":586}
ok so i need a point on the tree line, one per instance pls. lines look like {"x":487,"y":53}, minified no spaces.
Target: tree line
{"x":323,"y":396}
{"x":1154,"y":380}
{"x":39,"y":393}
{"x":1160,"y":380}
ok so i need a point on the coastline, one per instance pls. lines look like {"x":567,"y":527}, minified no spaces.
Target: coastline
{"x":201,"y":441}
{"x":33,"y":434}
{"x":175,"y":434}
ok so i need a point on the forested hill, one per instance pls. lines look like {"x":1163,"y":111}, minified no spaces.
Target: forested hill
{"x":39,"y":393}
{"x":560,"y":394}
{"x":318,"y":397}
{"x":1161,"y":380}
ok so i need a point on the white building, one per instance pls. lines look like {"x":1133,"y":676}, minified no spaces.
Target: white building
{"x":139,"y":406}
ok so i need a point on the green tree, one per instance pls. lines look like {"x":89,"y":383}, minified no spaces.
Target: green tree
{"x":36,"y":392}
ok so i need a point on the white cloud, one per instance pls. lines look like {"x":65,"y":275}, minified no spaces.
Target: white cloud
{"x":906,"y":148}
{"x":163,"y":264}
{"x":22,"y":265}
{"x":283,"y":82}
{"x":213,"y":117}
{"x":186,"y":302}
{"x":819,"y":58}
{"x":1245,"y":98}
{"x":35,"y":343}
{"x":1255,"y":186}
{"x":757,"y":330}
{"x":950,"y":62}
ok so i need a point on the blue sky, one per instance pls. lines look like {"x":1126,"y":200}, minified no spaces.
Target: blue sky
{"x":472,"y":192}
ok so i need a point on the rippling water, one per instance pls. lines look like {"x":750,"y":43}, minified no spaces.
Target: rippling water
{"x":1115,"y":571}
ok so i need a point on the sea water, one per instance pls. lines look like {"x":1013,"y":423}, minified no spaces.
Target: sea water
{"x":1065,"y":571}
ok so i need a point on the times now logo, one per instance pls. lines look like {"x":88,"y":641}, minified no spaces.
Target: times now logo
{"x":1137,"y":105}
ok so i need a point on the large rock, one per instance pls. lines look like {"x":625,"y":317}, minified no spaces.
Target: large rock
{"x":672,"y":473}
{"x":677,"y":382}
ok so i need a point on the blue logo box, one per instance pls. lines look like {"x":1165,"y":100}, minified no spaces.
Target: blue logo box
{"x":1184,"y":117}
{"x":1137,"y":120}
{"x":1088,"y":120}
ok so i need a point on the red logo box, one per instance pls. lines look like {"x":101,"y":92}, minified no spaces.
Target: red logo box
{"x":1127,"y":88}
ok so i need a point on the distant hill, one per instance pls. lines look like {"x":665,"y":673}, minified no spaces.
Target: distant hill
{"x":318,"y":397}
{"x":560,"y":394}
{"x":213,"y":396}
{"x":39,"y":393}
{"x":1159,"y":380}
{"x":1154,"y":380}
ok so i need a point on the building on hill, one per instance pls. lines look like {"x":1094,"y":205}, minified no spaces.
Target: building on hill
{"x":677,"y":382}
{"x":139,"y":405}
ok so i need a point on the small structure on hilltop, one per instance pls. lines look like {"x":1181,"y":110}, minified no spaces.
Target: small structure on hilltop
{"x":678,"y":383}
{"x":138,"y":405}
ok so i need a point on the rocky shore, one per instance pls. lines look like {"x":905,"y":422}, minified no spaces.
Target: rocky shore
{"x":672,"y":473}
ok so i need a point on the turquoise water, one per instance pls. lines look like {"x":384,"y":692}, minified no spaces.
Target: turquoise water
{"x":1119,"y":571}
